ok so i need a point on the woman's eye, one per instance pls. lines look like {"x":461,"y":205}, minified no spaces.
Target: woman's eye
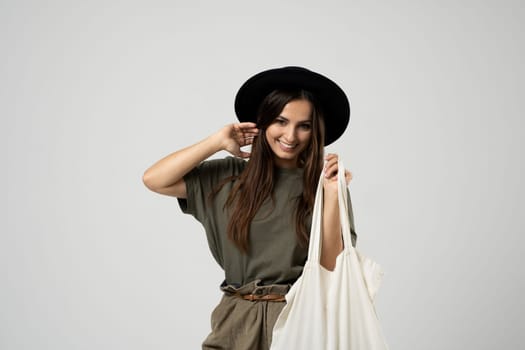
{"x":281,"y":122}
{"x":306,"y":126}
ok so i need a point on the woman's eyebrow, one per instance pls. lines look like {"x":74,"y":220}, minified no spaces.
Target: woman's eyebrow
{"x":299,"y":122}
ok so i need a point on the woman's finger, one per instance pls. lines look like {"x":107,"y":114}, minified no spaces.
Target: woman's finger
{"x":348,"y":176}
{"x":247,"y":125}
{"x":331,"y":170}
{"x":331,"y":159}
{"x":241,"y":136}
{"x":245,"y":132}
{"x":330,"y":167}
{"x":248,"y":140}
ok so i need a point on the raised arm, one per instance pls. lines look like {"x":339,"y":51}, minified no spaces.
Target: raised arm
{"x":332,"y":239}
{"x":166,"y":175}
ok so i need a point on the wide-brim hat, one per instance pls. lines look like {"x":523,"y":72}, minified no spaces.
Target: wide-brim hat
{"x":333,"y":100}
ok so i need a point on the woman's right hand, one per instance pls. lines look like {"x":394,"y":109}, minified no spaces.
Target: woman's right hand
{"x":235,"y":136}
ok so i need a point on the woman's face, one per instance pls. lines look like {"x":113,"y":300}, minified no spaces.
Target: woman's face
{"x":290,"y":133}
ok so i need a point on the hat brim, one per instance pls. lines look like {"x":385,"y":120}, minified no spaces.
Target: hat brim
{"x":333,"y":100}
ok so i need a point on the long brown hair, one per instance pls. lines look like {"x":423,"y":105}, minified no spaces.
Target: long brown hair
{"x":243,"y":202}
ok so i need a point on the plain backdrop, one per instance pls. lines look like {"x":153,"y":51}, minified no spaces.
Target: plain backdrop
{"x":94,"y":92}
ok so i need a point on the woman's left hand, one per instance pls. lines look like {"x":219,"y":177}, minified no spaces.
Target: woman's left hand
{"x":330,"y":171}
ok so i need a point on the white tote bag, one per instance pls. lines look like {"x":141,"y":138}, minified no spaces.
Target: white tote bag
{"x":332,"y":310}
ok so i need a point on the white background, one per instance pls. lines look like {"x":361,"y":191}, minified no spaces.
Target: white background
{"x":94,"y":92}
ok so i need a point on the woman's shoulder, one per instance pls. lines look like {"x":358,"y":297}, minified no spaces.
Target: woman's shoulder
{"x":228,"y":165}
{"x":227,"y":162}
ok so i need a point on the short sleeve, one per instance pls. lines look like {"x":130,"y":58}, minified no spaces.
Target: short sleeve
{"x":353,"y":234}
{"x":202,"y":180}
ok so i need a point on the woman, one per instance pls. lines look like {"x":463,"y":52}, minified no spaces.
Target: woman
{"x":257,"y":213}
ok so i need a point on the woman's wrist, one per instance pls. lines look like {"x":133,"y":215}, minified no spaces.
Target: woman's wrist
{"x":216,"y":142}
{"x":330,"y":198}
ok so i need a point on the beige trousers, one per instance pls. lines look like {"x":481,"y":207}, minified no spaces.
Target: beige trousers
{"x":238,"y":324}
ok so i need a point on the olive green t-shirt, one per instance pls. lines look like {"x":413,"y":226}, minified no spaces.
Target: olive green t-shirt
{"x":275,"y":255}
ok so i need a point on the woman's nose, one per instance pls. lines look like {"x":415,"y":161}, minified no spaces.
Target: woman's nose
{"x":290,"y":134}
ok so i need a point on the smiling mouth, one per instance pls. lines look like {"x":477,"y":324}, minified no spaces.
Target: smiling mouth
{"x":286,"y":146}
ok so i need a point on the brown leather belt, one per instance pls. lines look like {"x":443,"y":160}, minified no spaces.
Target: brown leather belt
{"x":265,"y":297}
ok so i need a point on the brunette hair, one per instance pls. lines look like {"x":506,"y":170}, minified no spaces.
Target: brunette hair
{"x":243,"y":202}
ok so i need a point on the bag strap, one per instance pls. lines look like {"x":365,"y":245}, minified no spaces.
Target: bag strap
{"x":314,"y":247}
{"x":343,"y":206}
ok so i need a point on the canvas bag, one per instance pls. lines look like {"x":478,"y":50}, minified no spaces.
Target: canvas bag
{"x":332,"y":310}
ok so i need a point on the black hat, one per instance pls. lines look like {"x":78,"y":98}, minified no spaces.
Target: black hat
{"x":331,"y":97}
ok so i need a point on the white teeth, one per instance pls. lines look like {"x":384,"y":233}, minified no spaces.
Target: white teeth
{"x":286,"y":144}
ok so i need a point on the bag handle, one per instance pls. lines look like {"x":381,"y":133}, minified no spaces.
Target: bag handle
{"x":343,"y":205}
{"x":314,"y":248}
